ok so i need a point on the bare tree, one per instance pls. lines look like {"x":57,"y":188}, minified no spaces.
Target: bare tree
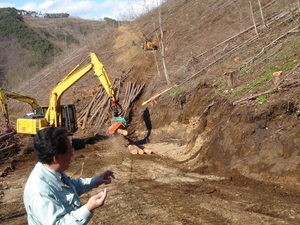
{"x":159,"y":36}
{"x":162,"y":46}
{"x":261,"y":13}
{"x":253,"y":19}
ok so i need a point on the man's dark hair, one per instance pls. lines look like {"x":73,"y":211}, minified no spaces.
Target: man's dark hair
{"x":50,"y":141}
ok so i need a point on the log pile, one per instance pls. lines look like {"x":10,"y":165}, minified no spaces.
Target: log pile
{"x":135,"y":149}
{"x":97,"y":111}
{"x":132,"y":92}
{"x":8,"y":146}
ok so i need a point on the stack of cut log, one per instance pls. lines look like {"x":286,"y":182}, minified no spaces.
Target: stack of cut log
{"x":97,"y":111}
{"x":135,"y":149}
{"x":132,"y":92}
{"x":8,"y":146}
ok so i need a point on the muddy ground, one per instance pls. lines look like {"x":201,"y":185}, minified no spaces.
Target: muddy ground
{"x":156,"y":189}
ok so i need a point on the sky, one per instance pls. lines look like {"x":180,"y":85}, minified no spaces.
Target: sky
{"x":86,"y":9}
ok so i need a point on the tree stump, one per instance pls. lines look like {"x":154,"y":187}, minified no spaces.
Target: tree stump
{"x":230,"y":78}
{"x":277,"y":76}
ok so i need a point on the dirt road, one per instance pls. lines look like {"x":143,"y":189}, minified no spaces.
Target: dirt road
{"x":154,"y":189}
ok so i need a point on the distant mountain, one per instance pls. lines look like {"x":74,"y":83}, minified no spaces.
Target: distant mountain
{"x":28,"y":47}
{"x":29,"y":43}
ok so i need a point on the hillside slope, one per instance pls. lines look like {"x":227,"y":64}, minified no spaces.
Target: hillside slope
{"x":257,"y":136}
{"x":253,"y":134}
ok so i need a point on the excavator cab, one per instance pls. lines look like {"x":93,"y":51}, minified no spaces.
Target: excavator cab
{"x":68,"y":113}
{"x":41,"y":110}
{"x":148,"y":44}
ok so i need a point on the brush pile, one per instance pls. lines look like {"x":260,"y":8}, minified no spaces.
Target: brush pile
{"x":9,"y":146}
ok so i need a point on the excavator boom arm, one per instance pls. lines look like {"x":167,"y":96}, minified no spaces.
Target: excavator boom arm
{"x":3,"y":101}
{"x":4,"y":94}
{"x":71,"y":79}
{"x":102,"y":76}
{"x":31,"y":101}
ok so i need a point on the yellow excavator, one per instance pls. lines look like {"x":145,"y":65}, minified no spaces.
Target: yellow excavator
{"x":5,"y":94}
{"x":59,"y":115}
{"x":148,"y":44}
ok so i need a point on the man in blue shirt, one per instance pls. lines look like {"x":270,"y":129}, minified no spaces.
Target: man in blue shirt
{"x":50,"y":197}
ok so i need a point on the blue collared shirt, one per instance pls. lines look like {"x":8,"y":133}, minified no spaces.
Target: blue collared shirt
{"x":48,"y":200}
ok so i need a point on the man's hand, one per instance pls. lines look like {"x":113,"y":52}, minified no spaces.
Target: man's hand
{"x":105,"y":178}
{"x":96,"y":200}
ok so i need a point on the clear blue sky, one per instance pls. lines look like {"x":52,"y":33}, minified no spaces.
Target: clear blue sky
{"x":86,"y":9}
